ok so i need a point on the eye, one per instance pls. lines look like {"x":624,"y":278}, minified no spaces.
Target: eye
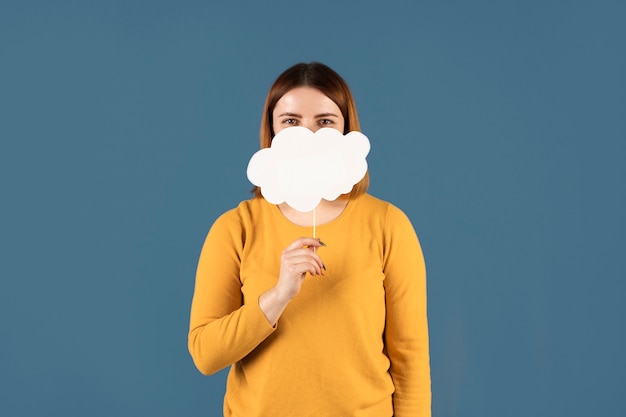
{"x":325,"y":122}
{"x":291,"y":122}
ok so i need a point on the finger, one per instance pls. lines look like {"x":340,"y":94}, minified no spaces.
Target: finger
{"x":300,"y":253}
{"x":304,"y":241}
{"x":300,"y":264}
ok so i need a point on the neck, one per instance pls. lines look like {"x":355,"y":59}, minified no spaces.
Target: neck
{"x":325,"y":212}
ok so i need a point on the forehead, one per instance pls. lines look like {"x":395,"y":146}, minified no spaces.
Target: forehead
{"x":306,"y":98}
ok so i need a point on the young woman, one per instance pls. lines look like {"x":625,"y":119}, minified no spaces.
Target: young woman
{"x":330,"y":327}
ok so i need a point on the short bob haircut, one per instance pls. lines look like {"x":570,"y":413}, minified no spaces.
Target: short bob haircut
{"x":326,"y":80}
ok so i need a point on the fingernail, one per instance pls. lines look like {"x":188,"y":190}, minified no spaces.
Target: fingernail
{"x":321,"y":243}
{"x":324,"y":266}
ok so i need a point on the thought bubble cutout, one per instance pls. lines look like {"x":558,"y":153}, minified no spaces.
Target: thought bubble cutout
{"x":301,"y":167}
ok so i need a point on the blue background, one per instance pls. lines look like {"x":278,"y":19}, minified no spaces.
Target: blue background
{"x":126,"y":127}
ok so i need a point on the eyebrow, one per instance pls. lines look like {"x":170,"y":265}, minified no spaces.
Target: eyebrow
{"x":289,"y":114}
{"x":299,"y":115}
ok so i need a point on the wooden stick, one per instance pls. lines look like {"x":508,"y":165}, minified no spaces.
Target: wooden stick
{"x":314,"y":231}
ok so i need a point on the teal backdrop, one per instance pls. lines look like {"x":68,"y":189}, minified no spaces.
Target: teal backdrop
{"x":499,"y":127}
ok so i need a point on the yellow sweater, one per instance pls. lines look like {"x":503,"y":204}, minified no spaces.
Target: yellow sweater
{"x":354,"y":342}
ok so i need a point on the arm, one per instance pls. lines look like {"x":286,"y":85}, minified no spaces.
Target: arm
{"x":222,"y":329}
{"x":406,"y":327}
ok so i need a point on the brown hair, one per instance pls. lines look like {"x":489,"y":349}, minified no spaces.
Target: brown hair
{"x":326,"y":80}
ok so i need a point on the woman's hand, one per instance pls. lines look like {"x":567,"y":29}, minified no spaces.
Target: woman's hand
{"x":295,"y":261}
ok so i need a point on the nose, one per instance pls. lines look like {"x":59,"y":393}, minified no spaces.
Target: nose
{"x":311,"y":125}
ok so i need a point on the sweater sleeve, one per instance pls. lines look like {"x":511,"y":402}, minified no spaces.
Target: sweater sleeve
{"x":223,"y":329}
{"x":406,"y":327}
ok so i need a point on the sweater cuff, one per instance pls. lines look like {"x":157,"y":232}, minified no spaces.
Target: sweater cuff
{"x":261,"y":321}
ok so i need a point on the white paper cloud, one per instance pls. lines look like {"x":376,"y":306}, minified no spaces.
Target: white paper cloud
{"x":301,"y":168}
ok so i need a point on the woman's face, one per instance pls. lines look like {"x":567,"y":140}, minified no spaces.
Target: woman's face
{"x":307,"y":107}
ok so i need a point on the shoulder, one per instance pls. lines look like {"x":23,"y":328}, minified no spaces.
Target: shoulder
{"x":242,"y":216}
{"x":382,"y":209}
{"x":233,"y":227}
